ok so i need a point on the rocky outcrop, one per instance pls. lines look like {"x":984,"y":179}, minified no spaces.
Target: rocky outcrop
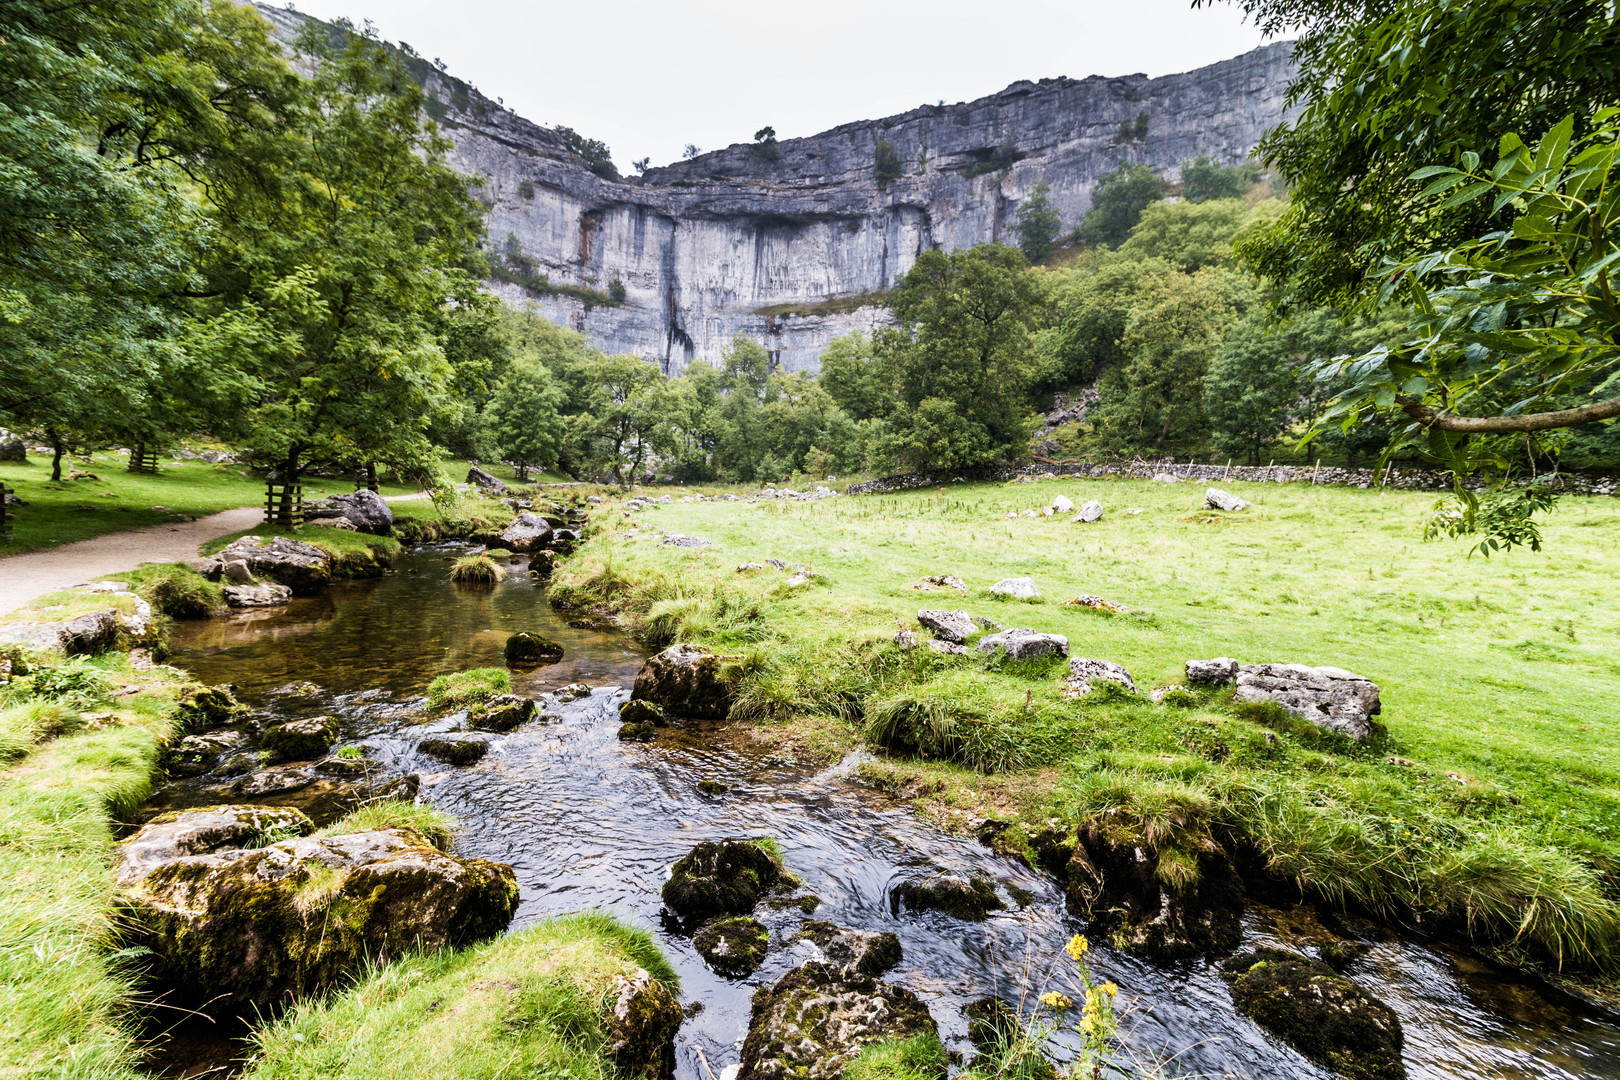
{"x":1221,"y":671}
{"x":491,"y":485}
{"x":1328,"y":697}
{"x":268,"y":594}
{"x":641,"y":1028}
{"x":732,"y":947}
{"x":971,"y":898}
{"x":303,"y":568}
{"x":720,"y":877}
{"x":1318,"y":1012}
{"x":858,"y":952}
{"x":240,"y":929}
{"x":1085,"y":673}
{"x":366,"y":510}
{"x":529,"y":532}
{"x":686,"y":680}
{"x":82,"y":635}
{"x":1022,"y":643}
{"x":816,"y":1018}
{"x":954,"y":627}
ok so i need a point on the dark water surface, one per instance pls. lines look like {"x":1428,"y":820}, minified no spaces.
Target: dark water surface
{"x":589,"y":821}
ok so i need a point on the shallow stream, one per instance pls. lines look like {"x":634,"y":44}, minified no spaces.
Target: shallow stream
{"x":589,"y":821}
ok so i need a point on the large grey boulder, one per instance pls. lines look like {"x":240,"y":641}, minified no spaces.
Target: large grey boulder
{"x":303,"y":568}
{"x":491,"y":485}
{"x":1319,"y":1012}
{"x":1091,"y":512}
{"x":231,"y":927}
{"x":92,"y":632}
{"x":12,"y":449}
{"x":1328,"y":697}
{"x":366,"y":510}
{"x":1062,"y":504}
{"x":1021,"y":643}
{"x":952,"y":626}
{"x":1084,"y":672}
{"x":268,"y":594}
{"x":686,"y":680}
{"x":815,"y":1019}
{"x":1018,"y":588}
{"x":1216,"y":499}
{"x":529,"y":532}
{"x":1221,"y":671}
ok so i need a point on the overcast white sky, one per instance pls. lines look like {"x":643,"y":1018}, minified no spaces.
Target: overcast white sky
{"x":647,"y":77}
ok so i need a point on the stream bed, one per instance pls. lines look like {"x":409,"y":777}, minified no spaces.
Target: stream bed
{"x":588,"y":821}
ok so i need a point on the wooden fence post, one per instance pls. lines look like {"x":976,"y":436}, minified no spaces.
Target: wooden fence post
{"x":292,"y":514}
{"x":6,"y":515}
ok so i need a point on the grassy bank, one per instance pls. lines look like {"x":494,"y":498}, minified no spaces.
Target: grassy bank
{"x":65,"y":781}
{"x":354,"y":554}
{"x":1492,"y":804}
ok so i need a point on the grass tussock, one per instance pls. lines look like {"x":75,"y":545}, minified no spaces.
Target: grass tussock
{"x":1494,"y":811}
{"x":921,"y":1057}
{"x":532,"y":1003}
{"x":477,"y":569}
{"x":437,"y":827}
{"x":464,"y":688}
{"x":175,"y":590}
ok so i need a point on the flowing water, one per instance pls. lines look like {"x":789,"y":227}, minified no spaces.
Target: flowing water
{"x":588,"y":821}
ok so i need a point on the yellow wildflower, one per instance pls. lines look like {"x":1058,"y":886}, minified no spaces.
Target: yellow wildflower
{"x":1052,"y":999}
{"x":1110,"y":989}
{"x":1076,"y":948}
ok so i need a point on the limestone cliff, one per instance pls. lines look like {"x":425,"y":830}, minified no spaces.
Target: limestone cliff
{"x":730,"y":242}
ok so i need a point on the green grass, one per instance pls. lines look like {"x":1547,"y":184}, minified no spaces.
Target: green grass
{"x":437,"y":827}
{"x":478,"y":569}
{"x":62,"y":989}
{"x":174,"y":589}
{"x":61,"y":513}
{"x":468,"y":687}
{"x":530,"y":1004}
{"x":921,"y":1057}
{"x":1492,"y":804}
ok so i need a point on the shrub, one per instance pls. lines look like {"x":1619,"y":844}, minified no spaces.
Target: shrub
{"x":886,"y":167}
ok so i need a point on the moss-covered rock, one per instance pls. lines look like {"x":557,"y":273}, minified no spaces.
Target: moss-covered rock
{"x":454,"y":751}
{"x":732,"y":947}
{"x":303,"y":568}
{"x":859,"y":952}
{"x":687,"y":681}
{"x":234,"y":929}
{"x":971,"y":898}
{"x":200,"y":706}
{"x":1318,"y":1012}
{"x":301,"y":740}
{"x":720,"y":877}
{"x":1160,"y":903}
{"x":503,"y":712}
{"x":527,"y":648}
{"x":637,"y":733}
{"x":711,"y":788}
{"x":642,"y":712}
{"x":641,"y":1029}
{"x":176,"y":835}
{"x":815,"y":1019}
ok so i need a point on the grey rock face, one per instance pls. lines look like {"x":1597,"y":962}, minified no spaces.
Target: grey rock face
{"x":1221,"y":671}
{"x":367,"y":511}
{"x":1019,"y":588}
{"x":704,"y":248}
{"x":1216,"y":499}
{"x":492,"y":485}
{"x":1084,"y":671}
{"x":1022,"y":643}
{"x":1092,"y":511}
{"x":302,"y":567}
{"x":254,"y":596}
{"x":92,"y":632}
{"x":1328,"y":697}
{"x":529,"y":532}
{"x":952,"y":626}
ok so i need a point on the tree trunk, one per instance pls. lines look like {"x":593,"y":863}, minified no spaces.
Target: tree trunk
{"x":523,"y":473}
{"x":57,"y":449}
{"x":289,"y":479}
{"x":371,"y":476}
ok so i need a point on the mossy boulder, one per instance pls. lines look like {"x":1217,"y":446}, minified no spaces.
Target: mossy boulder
{"x":454,"y":751}
{"x":858,"y":952}
{"x":720,"y":877}
{"x":301,"y":740}
{"x":971,"y":898}
{"x":637,"y":732}
{"x":641,"y":1028}
{"x":712,"y":789}
{"x":1318,"y":1012}
{"x":200,"y":706}
{"x":642,"y":712}
{"x":542,"y":563}
{"x":176,"y":835}
{"x":303,"y":568}
{"x":1159,"y":903}
{"x":732,"y":947}
{"x":527,"y":648}
{"x":815,"y":1019}
{"x":687,"y":681}
{"x":503,"y":712}
{"x":232,"y":929}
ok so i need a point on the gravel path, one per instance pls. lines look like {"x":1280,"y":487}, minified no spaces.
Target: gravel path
{"x":35,"y":573}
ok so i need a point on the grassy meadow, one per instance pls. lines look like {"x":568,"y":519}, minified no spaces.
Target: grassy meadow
{"x":1491,"y":806}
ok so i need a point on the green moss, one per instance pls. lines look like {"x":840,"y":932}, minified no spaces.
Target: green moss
{"x":466,"y":687}
{"x":721,"y":877}
{"x":733,"y":947}
{"x":1323,"y":1015}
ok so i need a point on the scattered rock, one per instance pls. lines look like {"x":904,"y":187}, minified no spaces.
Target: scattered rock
{"x":276,"y":780}
{"x":1318,"y":1012}
{"x":720,"y":877}
{"x":542,"y":563}
{"x":1021,"y":643}
{"x":1175,"y":696}
{"x":303,"y":568}
{"x":1217,"y":499}
{"x":492,"y":485}
{"x":234,"y":929}
{"x":802,"y":577}
{"x":1062,"y":504}
{"x":939,"y":581}
{"x":948,"y":648}
{"x":1328,"y":697}
{"x":572,"y":692}
{"x":1018,"y":588}
{"x":1221,"y":671}
{"x":905,"y":639}
{"x":1166,"y":478}
{"x":268,"y":594}
{"x":347,"y":767}
{"x":194,"y":755}
{"x":641,"y":1029}
{"x":1092,"y":511}
{"x":1083,"y":671}
{"x":677,"y":540}
{"x":527,"y":648}
{"x":815,"y":1019}
{"x":732,"y":947}
{"x":806,"y":903}
{"x":642,"y":712}
{"x":858,"y":952}
{"x":364,"y":510}
{"x":503,"y":712}
{"x":686,"y":681}
{"x":952,"y":626}
{"x":1097,"y":603}
{"x":750,"y":566}
{"x":711,"y":788}
{"x":302,"y":740}
{"x":963,"y":898}
{"x":203,"y":706}
{"x":454,"y":751}
{"x":529,"y":532}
